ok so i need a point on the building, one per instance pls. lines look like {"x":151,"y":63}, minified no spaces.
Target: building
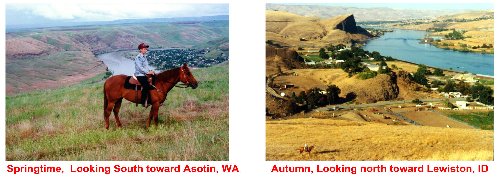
{"x":469,"y":78}
{"x":462,"y":104}
{"x":370,"y":66}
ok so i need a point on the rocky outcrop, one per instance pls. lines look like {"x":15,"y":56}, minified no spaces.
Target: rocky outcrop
{"x":348,"y":24}
{"x":290,"y":58}
{"x":383,"y":87}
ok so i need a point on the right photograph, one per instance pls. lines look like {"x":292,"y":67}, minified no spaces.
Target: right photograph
{"x":377,"y":82}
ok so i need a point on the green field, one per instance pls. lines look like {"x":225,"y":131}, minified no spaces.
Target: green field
{"x":482,"y":120}
{"x":68,"y":124}
{"x":313,"y":58}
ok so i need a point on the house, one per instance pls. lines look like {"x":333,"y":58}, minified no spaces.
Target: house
{"x":339,"y":61}
{"x":452,"y":94}
{"x":469,"y":78}
{"x":311,"y":63}
{"x":370,"y":66}
{"x":462,"y":104}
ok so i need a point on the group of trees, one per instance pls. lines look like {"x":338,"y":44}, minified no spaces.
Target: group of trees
{"x":422,"y":72}
{"x":315,"y":97}
{"x":478,"y":92}
{"x":455,"y":35}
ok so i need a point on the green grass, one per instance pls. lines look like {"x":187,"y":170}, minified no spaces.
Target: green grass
{"x":314,"y":58}
{"x":482,"y":120}
{"x":68,"y":124}
{"x":486,"y":81}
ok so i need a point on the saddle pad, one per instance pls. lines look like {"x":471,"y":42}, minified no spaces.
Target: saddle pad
{"x":131,"y":86}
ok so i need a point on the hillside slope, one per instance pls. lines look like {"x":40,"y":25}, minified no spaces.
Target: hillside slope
{"x":295,"y":30}
{"x":68,"y":124}
{"x":352,"y":139}
{"x":42,"y":58}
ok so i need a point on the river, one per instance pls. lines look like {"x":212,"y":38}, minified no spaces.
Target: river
{"x":404,"y":45}
{"x":118,"y":64}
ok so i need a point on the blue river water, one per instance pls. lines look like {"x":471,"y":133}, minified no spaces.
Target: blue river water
{"x":404,"y":45}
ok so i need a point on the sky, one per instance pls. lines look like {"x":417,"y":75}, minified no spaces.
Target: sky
{"x":17,"y":14}
{"x":420,"y":6}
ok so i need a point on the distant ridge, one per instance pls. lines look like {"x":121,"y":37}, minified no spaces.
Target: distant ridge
{"x":27,"y":27}
{"x":361,"y":14}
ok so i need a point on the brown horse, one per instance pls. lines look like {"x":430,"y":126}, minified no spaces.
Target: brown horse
{"x":114,"y":92}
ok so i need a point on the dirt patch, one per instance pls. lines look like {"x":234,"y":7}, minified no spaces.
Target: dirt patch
{"x":435,"y":119}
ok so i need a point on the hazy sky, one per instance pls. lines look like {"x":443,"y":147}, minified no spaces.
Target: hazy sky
{"x":42,"y":13}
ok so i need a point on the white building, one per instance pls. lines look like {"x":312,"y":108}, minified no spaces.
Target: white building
{"x":462,"y":104}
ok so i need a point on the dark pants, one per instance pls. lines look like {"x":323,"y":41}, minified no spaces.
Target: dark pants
{"x":145,"y":87}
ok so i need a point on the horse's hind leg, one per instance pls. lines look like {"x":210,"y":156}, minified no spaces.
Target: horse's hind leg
{"x":107,"y":112}
{"x":116,"y":110}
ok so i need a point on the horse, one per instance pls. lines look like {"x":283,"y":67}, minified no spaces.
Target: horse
{"x":114,"y":92}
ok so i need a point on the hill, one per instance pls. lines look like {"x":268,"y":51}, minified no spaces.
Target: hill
{"x":350,"y":138}
{"x":42,"y":58}
{"x":361,"y":14}
{"x":476,"y":27}
{"x":68,"y":124}
{"x":294,"y":30}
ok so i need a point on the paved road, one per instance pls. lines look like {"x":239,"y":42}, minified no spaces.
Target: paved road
{"x":382,"y":103}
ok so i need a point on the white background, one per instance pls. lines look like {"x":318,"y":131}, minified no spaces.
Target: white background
{"x":247,"y":114}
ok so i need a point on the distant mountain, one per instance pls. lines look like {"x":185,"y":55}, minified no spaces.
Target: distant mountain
{"x":361,"y":14}
{"x":28,"y":27}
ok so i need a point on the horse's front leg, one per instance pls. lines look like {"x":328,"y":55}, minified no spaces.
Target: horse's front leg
{"x":153,"y":114}
{"x":155,"y":108}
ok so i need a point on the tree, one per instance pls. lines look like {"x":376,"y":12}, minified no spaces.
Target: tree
{"x":449,"y":86}
{"x":350,"y":96}
{"x":344,"y":55}
{"x":376,"y":56}
{"x":423,"y":70}
{"x":436,"y":83}
{"x":420,"y":78}
{"x":315,"y":98}
{"x":417,"y":101}
{"x":323,"y":54}
{"x":438,"y":72}
{"x":383,"y":68}
{"x":332,"y":94}
{"x":482,"y":94}
{"x":463,"y":88}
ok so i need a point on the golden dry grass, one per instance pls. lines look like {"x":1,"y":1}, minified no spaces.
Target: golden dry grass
{"x":346,"y":139}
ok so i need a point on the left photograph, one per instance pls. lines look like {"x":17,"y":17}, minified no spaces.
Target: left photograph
{"x":146,"y":82}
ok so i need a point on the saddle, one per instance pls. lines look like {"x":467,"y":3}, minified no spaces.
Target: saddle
{"x":131,"y":82}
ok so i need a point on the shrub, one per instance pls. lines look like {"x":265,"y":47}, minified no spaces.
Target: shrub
{"x":367,"y":75}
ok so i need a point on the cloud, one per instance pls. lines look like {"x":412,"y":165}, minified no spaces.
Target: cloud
{"x":115,"y":11}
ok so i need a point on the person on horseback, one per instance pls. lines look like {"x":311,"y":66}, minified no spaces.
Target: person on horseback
{"x":142,"y":71}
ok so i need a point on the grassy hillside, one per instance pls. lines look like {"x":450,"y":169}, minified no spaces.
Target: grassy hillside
{"x":354,"y":139}
{"x":41,"y":58}
{"x":68,"y":124}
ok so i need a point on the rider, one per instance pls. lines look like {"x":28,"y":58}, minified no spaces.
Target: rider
{"x":141,"y":70}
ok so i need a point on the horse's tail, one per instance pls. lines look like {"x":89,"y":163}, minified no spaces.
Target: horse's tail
{"x":105,"y":98}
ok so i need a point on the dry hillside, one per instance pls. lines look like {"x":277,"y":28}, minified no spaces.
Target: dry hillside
{"x":295,"y":30}
{"x":350,"y":138}
{"x":477,"y":25}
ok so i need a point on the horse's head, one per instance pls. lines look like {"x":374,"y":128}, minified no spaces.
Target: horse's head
{"x":187,"y":77}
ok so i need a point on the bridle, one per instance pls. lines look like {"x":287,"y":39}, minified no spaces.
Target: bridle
{"x":184,"y":85}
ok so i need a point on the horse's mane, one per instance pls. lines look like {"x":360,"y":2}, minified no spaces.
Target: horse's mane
{"x":165,"y":75}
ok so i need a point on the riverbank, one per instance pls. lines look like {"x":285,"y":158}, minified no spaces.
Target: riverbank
{"x":406,"y":45}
